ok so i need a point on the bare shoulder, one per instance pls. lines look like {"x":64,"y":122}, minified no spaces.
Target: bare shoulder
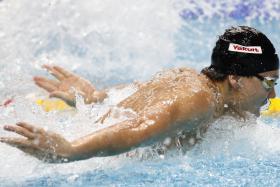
{"x":180,"y":90}
{"x":197,"y":98}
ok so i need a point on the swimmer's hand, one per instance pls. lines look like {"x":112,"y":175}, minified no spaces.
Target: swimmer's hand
{"x":67,"y":84}
{"x":38,"y":142}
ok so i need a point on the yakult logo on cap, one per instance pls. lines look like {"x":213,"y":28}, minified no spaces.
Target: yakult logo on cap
{"x":245,"y":49}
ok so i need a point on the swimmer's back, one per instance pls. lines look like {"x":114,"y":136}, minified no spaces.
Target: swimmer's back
{"x":171,"y":87}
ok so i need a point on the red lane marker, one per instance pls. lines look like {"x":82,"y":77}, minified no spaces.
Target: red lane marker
{"x":7,"y":102}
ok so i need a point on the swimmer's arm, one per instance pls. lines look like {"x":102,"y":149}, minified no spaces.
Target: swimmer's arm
{"x":156,"y":122}
{"x":124,"y":136}
{"x":116,"y":139}
{"x":153,"y":123}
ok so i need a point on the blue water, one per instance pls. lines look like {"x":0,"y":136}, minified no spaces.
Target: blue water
{"x":117,"y":43}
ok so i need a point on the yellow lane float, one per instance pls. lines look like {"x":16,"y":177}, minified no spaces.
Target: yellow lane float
{"x":59,"y":105}
{"x":52,"y":104}
{"x":274,"y":107}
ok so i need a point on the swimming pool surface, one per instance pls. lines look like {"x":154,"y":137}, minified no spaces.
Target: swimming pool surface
{"x":119,"y":41}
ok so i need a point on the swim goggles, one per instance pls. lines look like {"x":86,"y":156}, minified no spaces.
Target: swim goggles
{"x":267,"y":82}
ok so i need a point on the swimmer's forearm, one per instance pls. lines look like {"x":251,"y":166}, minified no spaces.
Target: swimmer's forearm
{"x":121,"y":137}
{"x":110,"y":141}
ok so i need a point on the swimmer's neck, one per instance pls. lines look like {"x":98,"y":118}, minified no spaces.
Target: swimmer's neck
{"x":227,"y":100}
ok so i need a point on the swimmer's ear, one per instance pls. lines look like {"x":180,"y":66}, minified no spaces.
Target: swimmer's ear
{"x":234,"y":81}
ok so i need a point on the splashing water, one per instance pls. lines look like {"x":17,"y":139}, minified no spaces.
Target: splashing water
{"x":119,"y":41}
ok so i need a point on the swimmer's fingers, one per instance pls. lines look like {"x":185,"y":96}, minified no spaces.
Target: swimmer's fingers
{"x":16,"y":142}
{"x":68,"y":98}
{"x":54,"y":72}
{"x":44,"y":80}
{"x":64,"y":72}
{"x":48,"y":85}
{"x":26,"y":146}
{"x":30,"y":128}
{"x":20,"y":130}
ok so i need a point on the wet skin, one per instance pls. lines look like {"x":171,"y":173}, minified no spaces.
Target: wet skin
{"x":250,"y":94}
{"x":177,"y":100}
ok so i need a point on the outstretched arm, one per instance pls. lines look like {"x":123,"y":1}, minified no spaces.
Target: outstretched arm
{"x":149,"y":126}
{"x":118,"y":138}
{"x":67,"y":84}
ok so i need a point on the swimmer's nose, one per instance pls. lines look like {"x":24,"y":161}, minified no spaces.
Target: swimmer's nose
{"x":271,"y":94}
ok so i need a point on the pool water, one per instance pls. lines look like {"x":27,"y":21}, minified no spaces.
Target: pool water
{"x":119,"y":41}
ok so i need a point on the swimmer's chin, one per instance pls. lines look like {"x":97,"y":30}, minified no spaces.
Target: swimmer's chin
{"x":258,"y":113}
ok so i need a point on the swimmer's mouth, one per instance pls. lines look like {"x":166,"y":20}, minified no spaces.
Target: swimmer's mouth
{"x":265,"y":102}
{"x":264,"y":106}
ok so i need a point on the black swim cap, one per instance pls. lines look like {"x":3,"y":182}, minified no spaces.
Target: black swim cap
{"x":244,"y":51}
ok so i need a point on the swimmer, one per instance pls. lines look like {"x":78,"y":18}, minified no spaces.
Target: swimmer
{"x":242,"y":75}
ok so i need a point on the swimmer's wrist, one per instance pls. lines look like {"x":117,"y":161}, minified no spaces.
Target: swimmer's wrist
{"x":65,"y":154}
{"x":72,"y":153}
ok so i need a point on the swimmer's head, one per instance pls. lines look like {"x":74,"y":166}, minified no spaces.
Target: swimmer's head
{"x":242,"y":51}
